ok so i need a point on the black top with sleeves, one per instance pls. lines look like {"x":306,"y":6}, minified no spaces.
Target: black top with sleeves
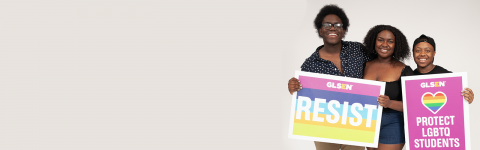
{"x":394,"y":89}
{"x":352,"y":57}
{"x":435,"y":70}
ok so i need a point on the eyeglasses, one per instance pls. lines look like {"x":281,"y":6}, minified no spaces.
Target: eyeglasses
{"x":338,"y":26}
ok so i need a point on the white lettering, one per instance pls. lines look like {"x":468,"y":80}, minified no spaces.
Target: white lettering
{"x":370,"y":109}
{"x":336,"y":116}
{"x":356,"y":114}
{"x":345,"y":112}
{"x":305,"y":108}
{"x":317,"y":109}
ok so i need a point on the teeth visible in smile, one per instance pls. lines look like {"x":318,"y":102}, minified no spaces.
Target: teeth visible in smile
{"x":384,"y":50}
{"x":333,"y":34}
{"x":423,"y":59}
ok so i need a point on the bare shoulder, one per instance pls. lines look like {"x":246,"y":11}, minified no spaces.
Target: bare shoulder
{"x":369,"y":63}
{"x":399,"y":65}
{"x":369,"y":71}
{"x":368,"y":67}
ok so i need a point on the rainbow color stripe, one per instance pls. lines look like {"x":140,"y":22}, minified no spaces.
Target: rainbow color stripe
{"x":434,"y":103}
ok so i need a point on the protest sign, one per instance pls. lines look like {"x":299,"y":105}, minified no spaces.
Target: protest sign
{"x":435,"y":113}
{"x":336,"y":109}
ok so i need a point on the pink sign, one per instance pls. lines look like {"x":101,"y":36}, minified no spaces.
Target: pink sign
{"x":436,"y":115}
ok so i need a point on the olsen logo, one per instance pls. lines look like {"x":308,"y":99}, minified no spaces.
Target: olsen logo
{"x":432,"y":84}
{"x":339,"y":86}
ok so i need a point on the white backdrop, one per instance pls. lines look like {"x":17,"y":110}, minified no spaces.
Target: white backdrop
{"x":209,"y":74}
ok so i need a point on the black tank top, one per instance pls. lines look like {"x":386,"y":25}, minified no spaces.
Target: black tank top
{"x":394,"y":89}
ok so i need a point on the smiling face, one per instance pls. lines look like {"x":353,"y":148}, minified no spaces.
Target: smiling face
{"x":385,"y":44}
{"x":423,"y":54}
{"x":331,"y":36}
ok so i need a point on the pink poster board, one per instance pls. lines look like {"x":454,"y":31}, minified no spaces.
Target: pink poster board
{"x":435,"y":113}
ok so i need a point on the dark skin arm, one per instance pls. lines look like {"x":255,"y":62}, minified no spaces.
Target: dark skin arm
{"x":384,"y":101}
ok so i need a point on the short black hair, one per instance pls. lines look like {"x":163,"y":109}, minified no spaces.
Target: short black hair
{"x":401,"y":49}
{"x":424,"y":38}
{"x":331,"y":10}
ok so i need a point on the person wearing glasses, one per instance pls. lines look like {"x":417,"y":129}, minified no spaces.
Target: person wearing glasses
{"x":389,"y":47}
{"x":423,"y":53}
{"x":335,"y":57}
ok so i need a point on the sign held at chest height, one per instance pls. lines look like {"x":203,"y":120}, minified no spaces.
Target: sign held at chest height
{"x":336,"y":109}
{"x":435,"y":113}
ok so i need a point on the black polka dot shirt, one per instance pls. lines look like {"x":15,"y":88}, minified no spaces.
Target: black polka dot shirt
{"x":352,"y":57}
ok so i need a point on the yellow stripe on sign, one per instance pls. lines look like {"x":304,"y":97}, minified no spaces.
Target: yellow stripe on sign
{"x":339,"y":124}
{"x":433,"y":98}
{"x":434,"y":101}
{"x":333,"y":133}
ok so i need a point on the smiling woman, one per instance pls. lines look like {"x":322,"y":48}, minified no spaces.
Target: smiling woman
{"x":400,"y":48}
{"x":424,"y":51}
{"x":389,"y":47}
{"x":384,"y":44}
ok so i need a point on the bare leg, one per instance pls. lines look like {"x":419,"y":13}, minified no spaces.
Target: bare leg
{"x":326,"y":146}
{"x":351,"y":147}
{"x":390,"y":146}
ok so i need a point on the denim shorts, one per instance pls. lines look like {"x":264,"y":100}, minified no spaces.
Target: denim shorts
{"x":391,"y":128}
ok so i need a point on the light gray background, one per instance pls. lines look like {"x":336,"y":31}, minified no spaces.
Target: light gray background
{"x":184,"y":74}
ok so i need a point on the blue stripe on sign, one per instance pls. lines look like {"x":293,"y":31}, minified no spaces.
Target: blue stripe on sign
{"x":363,"y":112}
{"x":434,"y":108}
{"x":341,"y":97}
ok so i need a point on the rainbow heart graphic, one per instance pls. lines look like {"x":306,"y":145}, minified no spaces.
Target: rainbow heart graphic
{"x":434,"y":102}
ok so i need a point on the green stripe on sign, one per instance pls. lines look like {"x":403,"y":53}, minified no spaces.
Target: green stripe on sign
{"x":434,"y":104}
{"x":333,"y":133}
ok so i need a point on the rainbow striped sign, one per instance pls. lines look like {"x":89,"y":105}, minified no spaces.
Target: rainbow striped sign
{"x":435,"y":113}
{"x":336,"y":109}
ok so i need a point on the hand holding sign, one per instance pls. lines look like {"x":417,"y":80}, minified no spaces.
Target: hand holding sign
{"x":384,"y":101}
{"x":468,"y":95}
{"x":294,"y":85}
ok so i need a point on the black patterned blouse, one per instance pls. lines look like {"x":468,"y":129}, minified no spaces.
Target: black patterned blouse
{"x":352,"y":57}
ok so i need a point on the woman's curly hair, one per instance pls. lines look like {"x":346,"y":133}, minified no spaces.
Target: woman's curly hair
{"x":401,"y":49}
